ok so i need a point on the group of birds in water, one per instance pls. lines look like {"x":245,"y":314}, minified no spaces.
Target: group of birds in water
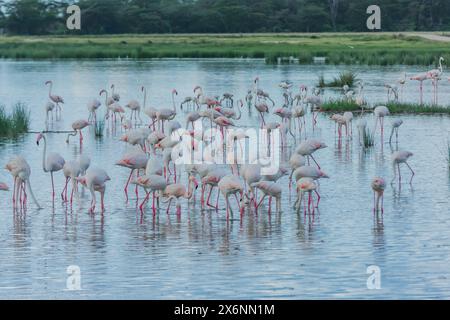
{"x":155,"y":142}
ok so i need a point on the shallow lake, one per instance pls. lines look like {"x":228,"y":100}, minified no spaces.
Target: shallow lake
{"x":201,"y":254}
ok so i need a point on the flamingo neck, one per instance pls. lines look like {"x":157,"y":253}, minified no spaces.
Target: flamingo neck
{"x":44,"y":154}
{"x":145,"y":97}
{"x":50,"y":90}
{"x":173,"y":102}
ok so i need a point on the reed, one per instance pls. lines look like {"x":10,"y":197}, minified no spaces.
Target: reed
{"x":342,"y":105}
{"x":15,"y":123}
{"x":99,"y":128}
{"x":348,"y":78}
{"x":368,"y":139}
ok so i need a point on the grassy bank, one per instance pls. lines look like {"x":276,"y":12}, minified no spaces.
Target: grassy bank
{"x":342,"y":106}
{"x":14,"y":123}
{"x":371,"y":49}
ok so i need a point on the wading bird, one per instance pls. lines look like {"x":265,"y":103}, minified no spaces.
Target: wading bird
{"x":53,"y":162}
{"x":378,"y":186}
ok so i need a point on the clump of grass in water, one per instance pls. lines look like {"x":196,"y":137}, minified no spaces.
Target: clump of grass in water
{"x":348,"y":78}
{"x":99,"y":128}
{"x":368,"y":139}
{"x":340,"y":105}
{"x":16,"y":123}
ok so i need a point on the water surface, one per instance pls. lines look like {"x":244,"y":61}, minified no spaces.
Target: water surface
{"x":201,"y":254}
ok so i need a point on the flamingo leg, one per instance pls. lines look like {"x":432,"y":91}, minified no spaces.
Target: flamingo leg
{"x":412,"y":171}
{"x":126,"y":185}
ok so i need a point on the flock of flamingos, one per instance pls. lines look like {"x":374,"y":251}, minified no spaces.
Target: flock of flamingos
{"x":154,"y":142}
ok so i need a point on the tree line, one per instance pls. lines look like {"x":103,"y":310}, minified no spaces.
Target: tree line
{"x":40,"y":17}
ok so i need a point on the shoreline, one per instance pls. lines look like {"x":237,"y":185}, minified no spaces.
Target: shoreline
{"x":345,"y":49}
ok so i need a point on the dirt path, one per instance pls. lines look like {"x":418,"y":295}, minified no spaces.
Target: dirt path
{"x":430,"y":36}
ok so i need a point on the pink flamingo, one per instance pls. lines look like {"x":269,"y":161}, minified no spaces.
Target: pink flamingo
{"x":380,"y":113}
{"x":178,"y":191}
{"x":310,"y":172}
{"x":53,"y":162}
{"x":151,"y":184}
{"x":435,"y":76}
{"x":421,"y":77}
{"x":77,"y":126}
{"x":305,"y":185}
{"x":71,"y":170}
{"x":134,"y":161}
{"x":272,"y":190}
{"x":53,"y":97}
{"x":212,"y":179}
{"x":21,"y":171}
{"x":95,"y":180}
{"x":308,"y":147}
{"x":398,"y":158}
{"x":378,"y":186}
{"x":92,"y":107}
{"x":262,"y":108}
{"x":229,"y":185}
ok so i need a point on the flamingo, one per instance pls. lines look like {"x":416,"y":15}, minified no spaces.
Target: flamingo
{"x":85,"y":162}
{"x":310,"y":172}
{"x":348,"y":118}
{"x":166,"y":114}
{"x":262,"y":108}
{"x":150,"y":111}
{"x":298,"y":113}
{"x":305,"y":185}
{"x":53,"y":162}
{"x":308,"y":147}
{"x":380,"y":112}
{"x":402,"y":82}
{"x":251,"y":174}
{"x":154,"y":167}
{"x":108,"y":102}
{"x":53,"y":97}
{"x":270,"y":189}
{"x":191,"y":118}
{"x":296,"y":161}
{"x":115,"y":96}
{"x":95,"y":180}
{"x":378,"y":186}
{"x":92,"y":107}
{"x":435,"y":76}
{"x":135,"y":108}
{"x":230,"y":113}
{"x":177,"y":191}
{"x":421,"y":77}
{"x":151,"y":184}
{"x":21,"y":171}
{"x":398,"y":158}
{"x":135,"y":137}
{"x":71,"y":171}
{"x":134,"y":161}
{"x":231,"y":185}
{"x":49,"y":107}
{"x":395,"y":126}
{"x":77,"y":126}
{"x":212,"y":179}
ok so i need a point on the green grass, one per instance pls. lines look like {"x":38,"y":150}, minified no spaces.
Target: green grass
{"x":361,"y":48}
{"x":368,"y":139}
{"x":14,"y":123}
{"x":343,"y":105}
{"x":348,"y":78}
